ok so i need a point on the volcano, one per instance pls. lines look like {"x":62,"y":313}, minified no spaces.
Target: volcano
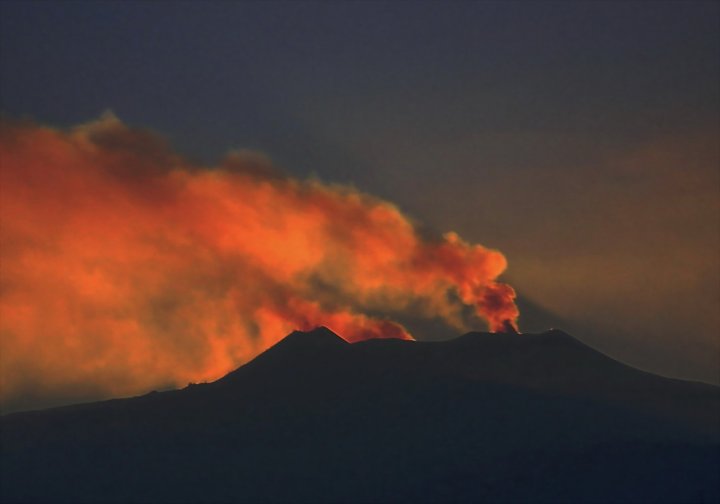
{"x":484,"y":417}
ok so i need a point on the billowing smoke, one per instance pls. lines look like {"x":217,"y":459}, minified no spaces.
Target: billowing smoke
{"x":126,"y":267}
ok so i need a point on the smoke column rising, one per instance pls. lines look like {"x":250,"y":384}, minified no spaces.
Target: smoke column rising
{"x":126,"y":267}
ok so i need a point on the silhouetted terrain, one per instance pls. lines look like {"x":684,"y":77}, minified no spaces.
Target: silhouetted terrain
{"x":484,"y":417}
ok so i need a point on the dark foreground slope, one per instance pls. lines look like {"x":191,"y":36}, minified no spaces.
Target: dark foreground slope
{"x":484,"y":417}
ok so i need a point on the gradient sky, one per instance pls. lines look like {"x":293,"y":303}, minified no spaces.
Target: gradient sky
{"x":579,"y":138}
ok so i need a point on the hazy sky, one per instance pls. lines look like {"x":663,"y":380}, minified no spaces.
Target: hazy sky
{"x":579,"y":138}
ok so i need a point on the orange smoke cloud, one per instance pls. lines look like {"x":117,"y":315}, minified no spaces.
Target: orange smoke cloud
{"x":127,"y":267}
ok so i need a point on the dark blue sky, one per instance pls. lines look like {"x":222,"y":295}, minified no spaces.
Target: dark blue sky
{"x":580,"y":138}
{"x":255,"y":73}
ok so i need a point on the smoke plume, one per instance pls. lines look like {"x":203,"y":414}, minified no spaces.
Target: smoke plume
{"x":127,"y":267}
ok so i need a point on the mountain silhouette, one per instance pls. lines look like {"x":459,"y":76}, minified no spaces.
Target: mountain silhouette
{"x":481,"y":418}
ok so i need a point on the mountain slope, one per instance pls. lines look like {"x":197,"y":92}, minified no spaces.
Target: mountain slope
{"x":482,"y":417}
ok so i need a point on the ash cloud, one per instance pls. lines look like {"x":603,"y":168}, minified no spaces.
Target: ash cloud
{"x":126,"y":267}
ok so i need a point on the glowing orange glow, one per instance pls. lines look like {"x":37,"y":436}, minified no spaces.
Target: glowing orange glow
{"x":125,"y":266}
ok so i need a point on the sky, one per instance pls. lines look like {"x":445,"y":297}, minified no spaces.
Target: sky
{"x":580,"y":139}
